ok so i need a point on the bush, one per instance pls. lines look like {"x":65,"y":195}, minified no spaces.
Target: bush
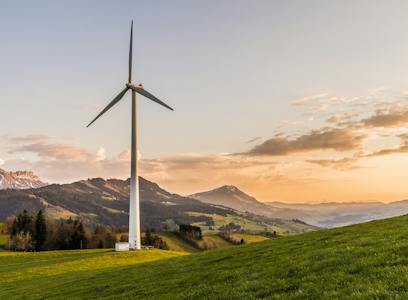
{"x":190,"y":232}
{"x":21,"y":242}
{"x":154,"y":240}
{"x":229,"y":238}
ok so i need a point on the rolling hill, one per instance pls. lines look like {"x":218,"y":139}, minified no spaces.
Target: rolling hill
{"x":364,"y":261}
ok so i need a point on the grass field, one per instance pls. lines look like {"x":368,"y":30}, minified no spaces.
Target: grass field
{"x":365,"y":261}
{"x":213,"y":241}
{"x":175,"y":243}
{"x":248,"y":238}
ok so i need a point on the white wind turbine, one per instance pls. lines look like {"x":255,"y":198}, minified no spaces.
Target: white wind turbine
{"x":134,"y":203}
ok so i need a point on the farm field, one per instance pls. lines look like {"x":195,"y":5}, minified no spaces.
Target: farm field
{"x":364,"y":261}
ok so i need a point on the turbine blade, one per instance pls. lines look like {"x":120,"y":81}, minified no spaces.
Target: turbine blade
{"x":145,"y":93}
{"x":112,"y":103}
{"x":130,"y":53}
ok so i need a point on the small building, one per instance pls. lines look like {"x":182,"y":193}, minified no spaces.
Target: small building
{"x":123,"y":246}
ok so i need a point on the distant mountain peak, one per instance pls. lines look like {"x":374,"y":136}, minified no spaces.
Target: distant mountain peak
{"x":19,"y":180}
{"x":227,"y":195}
{"x":229,"y":188}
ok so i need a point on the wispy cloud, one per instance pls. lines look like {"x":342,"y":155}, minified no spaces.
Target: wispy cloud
{"x":254,"y":140}
{"x":308,"y":99}
{"x":55,"y":151}
{"x":31,"y":138}
{"x":339,"y":118}
{"x":347,"y":163}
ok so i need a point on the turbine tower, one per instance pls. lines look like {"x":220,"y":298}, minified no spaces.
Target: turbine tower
{"x":134,"y":203}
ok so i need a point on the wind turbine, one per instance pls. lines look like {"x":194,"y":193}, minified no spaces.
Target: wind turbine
{"x":134,"y":203}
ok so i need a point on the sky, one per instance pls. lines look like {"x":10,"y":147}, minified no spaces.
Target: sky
{"x":295,"y":101}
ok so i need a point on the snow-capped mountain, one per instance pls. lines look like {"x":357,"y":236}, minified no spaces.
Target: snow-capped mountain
{"x":19,"y":180}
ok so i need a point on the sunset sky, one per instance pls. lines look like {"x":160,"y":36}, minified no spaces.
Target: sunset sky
{"x":289,"y":100}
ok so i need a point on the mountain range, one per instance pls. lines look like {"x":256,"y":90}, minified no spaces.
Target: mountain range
{"x":100,"y":201}
{"x":19,"y":180}
{"x":106,"y":201}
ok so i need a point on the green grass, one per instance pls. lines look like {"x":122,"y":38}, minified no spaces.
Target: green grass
{"x":365,"y":261}
{"x":248,"y":238}
{"x":175,"y":243}
{"x":53,"y":266}
{"x":210,"y":242}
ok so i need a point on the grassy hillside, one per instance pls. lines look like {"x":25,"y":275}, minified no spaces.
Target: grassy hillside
{"x":365,"y":261}
{"x":213,"y":241}
{"x":176,"y":243}
{"x":248,"y":238}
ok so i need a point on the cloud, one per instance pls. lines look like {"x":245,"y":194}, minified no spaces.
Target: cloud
{"x":402,"y":148}
{"x":55,"y":151}
{"x":31,"y":138}
{"x":347,"y":163}
{"x":254,"y":139}
{"x":2,"y":162}
{"x":308,"y":99}
{"x":337,"y":139}
{"x":323,"y":102}
{"x":338,"y":118}
{"x":63,"y":162}
{"x":193,"y":172}
{"x":391,"y":118}
{"x":100,"y":155}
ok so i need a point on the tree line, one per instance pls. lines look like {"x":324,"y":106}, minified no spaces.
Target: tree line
{"x":33,"y":232}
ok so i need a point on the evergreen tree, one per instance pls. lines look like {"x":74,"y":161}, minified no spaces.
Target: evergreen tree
{"x":24,"y":222}
{"x":40,"y":233}
{"x":78,"y":237}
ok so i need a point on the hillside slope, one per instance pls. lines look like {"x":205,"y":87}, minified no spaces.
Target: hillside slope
{"x":365,"y":261}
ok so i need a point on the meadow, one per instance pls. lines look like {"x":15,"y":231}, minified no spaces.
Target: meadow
{"x":365,"y":261}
